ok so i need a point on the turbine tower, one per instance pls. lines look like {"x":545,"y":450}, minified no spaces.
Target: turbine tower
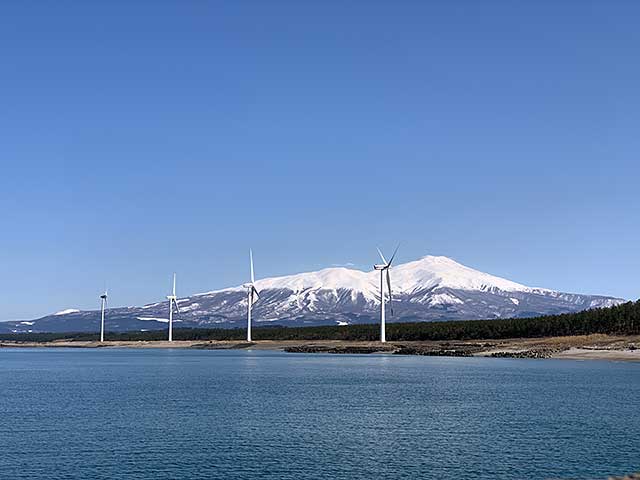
{"x":252,"y":296}
{"x":384,"y":270}
{"x":173,"y":300}
{"x":103,"y":304}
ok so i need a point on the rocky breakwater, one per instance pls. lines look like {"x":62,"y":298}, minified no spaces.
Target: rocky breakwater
{"x":532,"y":353}
{"x":344,"y":349}
{"x":434,"y":350}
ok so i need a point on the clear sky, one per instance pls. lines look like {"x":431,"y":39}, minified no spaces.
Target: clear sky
{"x":138,"y":138}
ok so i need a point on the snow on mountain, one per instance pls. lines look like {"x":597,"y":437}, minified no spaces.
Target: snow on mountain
{"x":426,"y":273}
{"x":443,"y":299}
{"x":154,"y":319}
{"x":335,"y":278}
{"x":442,"y":272}
{"x":431,"y":288}
{"x":67,"y":311}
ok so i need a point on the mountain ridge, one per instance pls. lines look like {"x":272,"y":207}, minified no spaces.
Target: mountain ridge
{"x":430,"y":288}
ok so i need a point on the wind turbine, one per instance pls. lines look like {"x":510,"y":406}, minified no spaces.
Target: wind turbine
{"x":384,"y":269}
{"x":103,"y":304}
{"x":173,"y":300}
{"x":252,"y":296}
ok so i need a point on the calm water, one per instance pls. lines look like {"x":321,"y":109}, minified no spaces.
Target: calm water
{"x":167,"y":414}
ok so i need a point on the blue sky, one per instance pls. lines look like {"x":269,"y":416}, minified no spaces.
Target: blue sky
{"x":145,"y":137}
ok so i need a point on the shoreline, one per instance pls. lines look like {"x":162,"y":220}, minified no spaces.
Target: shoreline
{"x":583,"y":347}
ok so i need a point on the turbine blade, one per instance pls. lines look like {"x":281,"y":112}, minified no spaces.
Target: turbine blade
{"x":389,"y":285}
{"x":384,"y":260}
{"x":394,"y":254}
{"x":255,"y":290}
{"x":251,"y":260}
{"x":176,"y":304}
{"x":174,"y":285}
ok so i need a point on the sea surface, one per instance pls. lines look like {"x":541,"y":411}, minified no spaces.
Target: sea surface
{"x":187,"y":414}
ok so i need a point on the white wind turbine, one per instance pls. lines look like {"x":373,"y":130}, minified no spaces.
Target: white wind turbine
{"x":252,"y":296}
{"x":173,"y":300}
{"x":384,"y":268}
{"x":103,"y":304}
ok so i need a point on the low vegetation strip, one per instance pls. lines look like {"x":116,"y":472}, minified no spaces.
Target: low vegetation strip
{"x":619,"y":320}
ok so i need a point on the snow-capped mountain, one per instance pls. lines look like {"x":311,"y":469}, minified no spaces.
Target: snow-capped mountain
{"x":429,"y":289}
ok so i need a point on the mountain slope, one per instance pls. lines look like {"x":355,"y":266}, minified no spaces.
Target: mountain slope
{"x":432,"y":288}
